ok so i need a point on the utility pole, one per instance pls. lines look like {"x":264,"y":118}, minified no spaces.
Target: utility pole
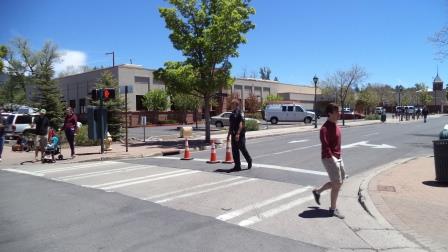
{"x":100,"y":91}
{"x":126,"y":113}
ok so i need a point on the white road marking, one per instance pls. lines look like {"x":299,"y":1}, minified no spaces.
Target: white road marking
{"x":274,"y":167}
{"x":107,"y":172}
{"x":298,"y":141}
{"x":270,"y":213}
{"x":287,"y":151}
{"x":191,"y":188}
{"x":365,"y":143}
{"x":137,"y":178}
{"x":205,"y":191}
{"x":23,"y":172}
{"x":76,"y":167}
{"x":372,"y":134}
{"x":239,"y":212}
{"x":149,"y":180}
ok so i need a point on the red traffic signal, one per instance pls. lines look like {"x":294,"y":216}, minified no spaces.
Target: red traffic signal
{"x":108,"y":93}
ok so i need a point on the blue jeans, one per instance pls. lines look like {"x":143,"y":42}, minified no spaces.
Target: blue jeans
{"x":2,"y":141}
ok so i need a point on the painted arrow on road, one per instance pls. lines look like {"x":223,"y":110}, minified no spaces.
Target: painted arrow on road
{"x":365,"y":143}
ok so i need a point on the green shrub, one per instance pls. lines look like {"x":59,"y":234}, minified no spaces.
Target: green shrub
{"x":256,"y":115}
{"x":164,"y":122}
{"x":252,"y":125}
{"x":82,"y":137}
{"x":373,"y":117}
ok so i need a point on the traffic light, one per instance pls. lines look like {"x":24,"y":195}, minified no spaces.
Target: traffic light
{"x":108,"y":93}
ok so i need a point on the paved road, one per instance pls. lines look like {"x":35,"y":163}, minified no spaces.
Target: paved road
{"x":266,"y":206}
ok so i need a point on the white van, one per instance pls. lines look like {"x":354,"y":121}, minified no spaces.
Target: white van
{"x":275,"y":113}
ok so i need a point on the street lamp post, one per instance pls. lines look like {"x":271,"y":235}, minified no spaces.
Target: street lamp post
{"x":315,"y":80}
{"x":113,"y":57}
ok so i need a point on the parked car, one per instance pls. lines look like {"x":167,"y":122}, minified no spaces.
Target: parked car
{"x":379,"y":110}
{"x":223,"y":119}
{"x":275,"y":113}
{"x":351,"y":116}
{"x":317,"y":113}
{"x":18,"y":124}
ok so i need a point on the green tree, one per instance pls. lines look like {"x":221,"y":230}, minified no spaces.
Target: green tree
{"x":368,"y":99}
{"x":423,"y":96}
{"x":3,"y":53}
{"x":114,"y":106}
{"x":208,"y":33}
{"x":156,"y":100}
{"x":271,"y":99}
{"x":184,"y":103}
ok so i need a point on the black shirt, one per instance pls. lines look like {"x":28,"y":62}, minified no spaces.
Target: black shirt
{"x":235,"y":119}
{"x":42,"y":124}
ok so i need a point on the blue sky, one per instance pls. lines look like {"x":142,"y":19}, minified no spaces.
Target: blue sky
{"x":295,"y":38}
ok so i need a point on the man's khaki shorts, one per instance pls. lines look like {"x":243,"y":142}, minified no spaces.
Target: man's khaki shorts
{"x":335,"y":169}
{"x":40,"y":142}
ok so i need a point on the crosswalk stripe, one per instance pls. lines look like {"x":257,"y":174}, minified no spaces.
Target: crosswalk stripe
{"x":76,"y":167}
{"x":107,"y":172}
{"x":149,"y":180}
{"x":205,"y":191}
{"x":23,"y":172}
{"x":135,"y":179}
{"x":191,"y":188}
{"x":267,"y":166}
{"x":236,"y":213}
{"x":270,"y":213}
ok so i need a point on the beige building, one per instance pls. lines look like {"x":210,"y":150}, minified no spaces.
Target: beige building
{"x":76,"y":88}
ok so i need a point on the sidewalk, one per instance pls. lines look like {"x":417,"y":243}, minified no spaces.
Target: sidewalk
{"x":409,"y":198}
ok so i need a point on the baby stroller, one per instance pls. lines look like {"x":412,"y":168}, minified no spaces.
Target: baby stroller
{"x":52,"y":149}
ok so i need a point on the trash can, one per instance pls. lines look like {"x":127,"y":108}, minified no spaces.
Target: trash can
{"x":383,"y":117}
{"x":441,"y":159}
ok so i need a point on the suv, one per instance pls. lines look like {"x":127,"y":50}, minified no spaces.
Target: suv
{"x":17,"y":124}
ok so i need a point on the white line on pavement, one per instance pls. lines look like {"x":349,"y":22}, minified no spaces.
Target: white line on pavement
{"x":274,"y":167}
{"x":107,"y":172}
{"x":191,"y":188}
{"x":149,"y":180}
{"x":137,"y":178}
{"x":76,"y":167}
{"x":299,"y":141}
{"x":372,"y":134}
{"x":205,"y":191}
{"x":270,"y":213}
{"x":236,"y":213}
{"x":23,"y":172}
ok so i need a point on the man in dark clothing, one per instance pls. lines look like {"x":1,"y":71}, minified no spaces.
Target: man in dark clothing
{"x":42,"y":124}
{"x":330,"y":137}
{"x":425,"y":113}
{"x":2,"y":133}
{"x":237,"y":132}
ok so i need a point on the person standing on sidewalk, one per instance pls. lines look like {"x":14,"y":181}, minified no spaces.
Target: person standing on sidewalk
{"x":330,"y":137}
{"x":42,"y":124}
{"x":2,"y":133}
{"x":70,"y":127}
{"x":238,"y":133}
{"x":425,"y":113}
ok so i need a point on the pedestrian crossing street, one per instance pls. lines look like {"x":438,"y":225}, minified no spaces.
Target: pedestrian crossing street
{"x":259,"y":204}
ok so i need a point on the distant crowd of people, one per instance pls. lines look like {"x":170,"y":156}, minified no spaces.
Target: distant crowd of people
{"x":406,"y":113}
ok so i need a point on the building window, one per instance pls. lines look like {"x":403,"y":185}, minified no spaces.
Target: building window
{"x":140,"y":79}
{"x":139,"y":102}
{"x":82,"y":106}
{"x":73,"y":104}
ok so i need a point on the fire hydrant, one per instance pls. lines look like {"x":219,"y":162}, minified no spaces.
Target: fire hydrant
{"x":108,"y":142}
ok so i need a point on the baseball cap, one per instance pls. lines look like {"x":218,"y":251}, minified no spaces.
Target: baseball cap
{"x":43,"y":111}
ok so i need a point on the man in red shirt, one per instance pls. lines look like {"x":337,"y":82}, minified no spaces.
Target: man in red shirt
{"x":330,"y":137}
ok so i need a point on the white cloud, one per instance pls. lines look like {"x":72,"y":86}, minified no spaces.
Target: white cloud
{"x":70,"y":60}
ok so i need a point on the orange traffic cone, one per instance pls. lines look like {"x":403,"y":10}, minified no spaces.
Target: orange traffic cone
{"x":229,"y":159}
{"x":213,"y":157}
{"x":187,"y":151}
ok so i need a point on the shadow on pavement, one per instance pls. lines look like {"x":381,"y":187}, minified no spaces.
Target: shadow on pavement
{"x":316,"y":212}
{"x":435,"y":183}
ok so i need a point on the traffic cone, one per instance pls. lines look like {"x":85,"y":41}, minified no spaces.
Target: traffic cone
{"x":187,"y":151}
{"x":213,"y":157}
{"x":229,"y":159}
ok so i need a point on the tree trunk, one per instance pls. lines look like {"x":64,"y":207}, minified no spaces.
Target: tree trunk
{"x":343,"y":112}
{"x":207,"y":118}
